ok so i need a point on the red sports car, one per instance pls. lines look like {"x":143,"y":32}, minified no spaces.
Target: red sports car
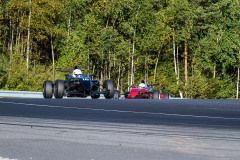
{"x":144,"y":91}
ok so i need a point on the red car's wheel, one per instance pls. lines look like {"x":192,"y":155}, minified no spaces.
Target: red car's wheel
{"x":156,"y":94}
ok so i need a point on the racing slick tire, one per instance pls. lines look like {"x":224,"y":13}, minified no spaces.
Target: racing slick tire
{"x":59,"y":89}
{"x":95,"y":96}
{"x":156,"y":94}
{"x":126,"y":94}
{"x":166,"y":95}
{"x":116,"y":94}
{"x":108,"y":86}
{"x":47,"y":89}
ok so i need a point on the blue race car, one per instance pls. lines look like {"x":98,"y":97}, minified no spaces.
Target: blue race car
{"x":77,"y":85}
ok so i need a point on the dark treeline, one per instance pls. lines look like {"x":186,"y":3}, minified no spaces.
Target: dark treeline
{"x":189,"y":46}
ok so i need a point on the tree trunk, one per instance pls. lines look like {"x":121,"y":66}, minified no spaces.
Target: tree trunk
{"x":129,"y":65}
{"x":28,"y":39}
{"x":88,"y":68}
{"x":11,"y":51}
{"x":69,"y":23}
{"x":174,"y":56}
{"x":185,"y":64}
{"x":121,"y":86}
{"x":105,"y":72}
{"x":145,"y":68}
{"x":180,"y":92}
{"x":238,"y":79}
{"x":12,"y":34}
{"x":88,"y":62}
{"x":214,"y":71}
{"x":134,"y":70}
{"x":53,"y":56}
{"x":109,"y":67}
{"x":119,"y":75}
{"x":177,"y":67}
{"x":156,"y":64}
{"x":17,"y":35}
{"x":132,"y":75}
{"x":22,"y":37}
{"x":93,"y":69}
{"x":237,"y":84}
{"x":102,"y":68}
{"x":192,"y":78}
{"x":132,"y":64}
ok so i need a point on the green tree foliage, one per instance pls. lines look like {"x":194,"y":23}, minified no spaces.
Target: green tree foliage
{"x":124,"y":40}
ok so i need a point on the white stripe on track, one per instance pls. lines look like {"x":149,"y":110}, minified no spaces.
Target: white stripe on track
{"x":93,"y":109}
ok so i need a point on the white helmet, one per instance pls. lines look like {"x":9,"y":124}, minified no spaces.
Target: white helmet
{"x":142,"y":85}
{"x":77,"y":73}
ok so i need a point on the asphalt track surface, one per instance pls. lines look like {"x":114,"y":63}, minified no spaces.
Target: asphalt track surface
{"x":60,"y":129}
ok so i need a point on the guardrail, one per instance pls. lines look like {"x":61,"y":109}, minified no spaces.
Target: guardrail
{"x":22,"y":94}
{"x":26,"y":94}
{"x":31,"y":94}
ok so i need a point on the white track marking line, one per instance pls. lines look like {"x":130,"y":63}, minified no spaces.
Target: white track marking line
{"x":1,"y":158}
{"x":93,"y":109}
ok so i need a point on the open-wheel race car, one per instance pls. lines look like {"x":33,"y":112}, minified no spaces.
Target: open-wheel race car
{"x":77,"y":85}
{"x":144,"y":91}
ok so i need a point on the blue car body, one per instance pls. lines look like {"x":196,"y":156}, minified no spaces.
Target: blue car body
{"x":81,"y":86}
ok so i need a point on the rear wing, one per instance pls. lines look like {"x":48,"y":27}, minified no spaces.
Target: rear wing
{"x":63,"y":70}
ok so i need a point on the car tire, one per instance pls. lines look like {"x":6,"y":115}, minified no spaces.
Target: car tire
{"x":47,"y":89}
{"x":156,"y":94}
{"x":95,"y":96}
{"x":116,"y":94}
{"x":126,"y":94}
{"x":108,"y":86}
{"x":59,"y":89}
{"x":166,"y":95}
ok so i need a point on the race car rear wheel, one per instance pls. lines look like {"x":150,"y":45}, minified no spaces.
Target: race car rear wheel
{"x":59,"y":89}
{"x":47,"y":89}
{"x":156,"y":94}
{"x":108,"y":86}
{"x":166,"y":95}
{"x":116,"y":94}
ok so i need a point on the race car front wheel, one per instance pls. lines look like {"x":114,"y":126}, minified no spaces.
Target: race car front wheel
{"x":109,"y":87}
{"x":47,"y":89}
{"x":156,"y":94}
{"x":95,"y":96}
{"x":59,"y":89}
{"x":116,"y":94}
{"x":166,"y":96}
{"x":97,"y":89}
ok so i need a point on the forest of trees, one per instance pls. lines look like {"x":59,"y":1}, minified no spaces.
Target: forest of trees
{"x":189,"y":46}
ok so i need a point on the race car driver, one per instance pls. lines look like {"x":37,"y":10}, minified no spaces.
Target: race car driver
{"x":76,"y":72}
{"x":142,"y":85}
